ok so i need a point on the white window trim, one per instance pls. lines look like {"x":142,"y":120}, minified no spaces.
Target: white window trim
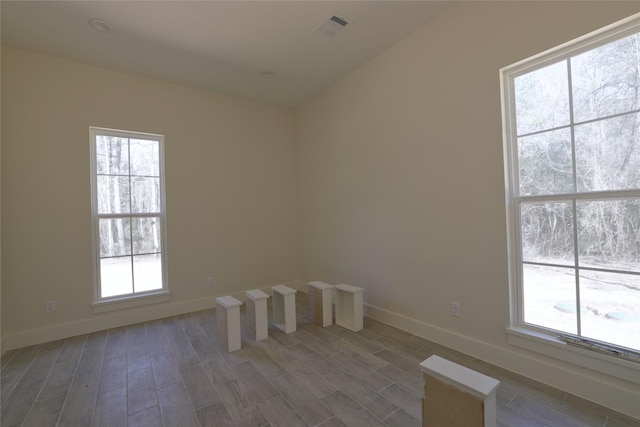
{"x":520,"y":334}
{"x":100,"y":305}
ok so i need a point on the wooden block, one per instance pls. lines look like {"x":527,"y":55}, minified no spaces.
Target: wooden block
{"x":257,"y":313}
{"x":320,"y":306}
{"x":457,"y":396}
{"x":284,"y":308}
{"x":349,"y":300}
{"x":228,"y":322}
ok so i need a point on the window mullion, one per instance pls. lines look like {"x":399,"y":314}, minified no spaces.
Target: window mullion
{"x":133,"y":282}
{"x":577,"y":266}
{"x":574,"y":169}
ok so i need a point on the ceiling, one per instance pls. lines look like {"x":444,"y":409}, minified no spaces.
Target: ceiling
{"x":223,"y":46}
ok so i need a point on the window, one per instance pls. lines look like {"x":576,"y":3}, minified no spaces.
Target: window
{"x":572,"y":157}
{"x":128,"y":214}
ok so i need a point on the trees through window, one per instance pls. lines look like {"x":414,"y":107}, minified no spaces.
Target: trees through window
{"x":572,"y":131}
{"x":128,"y":213}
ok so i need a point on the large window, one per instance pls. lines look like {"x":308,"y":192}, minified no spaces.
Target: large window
{"x":572,"y":152}
{"x":128,"y":214}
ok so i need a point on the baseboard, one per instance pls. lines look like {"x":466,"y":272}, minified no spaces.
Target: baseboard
{"x":120,"y":318}
{"x":574,"y":381}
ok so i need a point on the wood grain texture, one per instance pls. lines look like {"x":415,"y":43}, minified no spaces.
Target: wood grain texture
{"x":279,"y":412}
{"x":350,"y":411}
{"x":175,"y":408}
{"x":148,"y":418}
{"x":45,"y":413}
{"x":446,"y":405}
{"x":173,"y":372}
{"x":141,"y":390}
{"x":111,"y":408}
{"x":201,"y":391}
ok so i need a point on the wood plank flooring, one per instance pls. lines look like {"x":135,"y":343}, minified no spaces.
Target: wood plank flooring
{"x":173,"y":372}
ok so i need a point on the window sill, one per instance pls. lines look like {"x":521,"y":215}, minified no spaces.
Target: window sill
{"x":129,"y":302}
{"x":551,"y":346}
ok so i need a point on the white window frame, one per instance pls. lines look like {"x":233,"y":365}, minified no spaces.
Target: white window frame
{"x":519,"y":333}
{"x":101,"y":304}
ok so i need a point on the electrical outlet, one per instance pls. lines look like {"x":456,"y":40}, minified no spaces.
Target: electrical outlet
{"x":51,"y":306}
{"x":210,"y":282}
{"x":455,"y":309}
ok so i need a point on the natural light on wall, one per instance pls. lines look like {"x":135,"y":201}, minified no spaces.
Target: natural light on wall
{"x":572,"y":152}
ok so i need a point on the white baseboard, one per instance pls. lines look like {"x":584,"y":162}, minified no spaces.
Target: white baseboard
{"x":578,"y":382}
{"x":120,"y":318}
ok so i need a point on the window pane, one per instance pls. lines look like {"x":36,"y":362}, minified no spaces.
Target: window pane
{"x":146,"y":235}
{"x":608,"y":154}
{"x":542,"y":99}
{"x":547,"y":233}
{"x":145,"y":195}
{"x":115,"y":276}
{"x":545,"y":164}
{"x":115,"y":237}
{"x":145,"y":157}
{"x":113,"y":194}
{"x":112,"y":155}
{"x":612,"y":304}
{"x":147,"y":272}
{"x":606,"y":80}
{"x":550,"y":297}
{"x":609,"y":234}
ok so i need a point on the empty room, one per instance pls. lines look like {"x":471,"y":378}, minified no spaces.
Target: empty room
{"x":463,"y":176}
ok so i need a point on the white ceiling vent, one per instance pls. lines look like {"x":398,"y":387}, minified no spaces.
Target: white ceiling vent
{"x":334,"y":25}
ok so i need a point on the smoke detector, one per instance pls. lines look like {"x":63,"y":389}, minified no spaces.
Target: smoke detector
{"x":334,"y":25}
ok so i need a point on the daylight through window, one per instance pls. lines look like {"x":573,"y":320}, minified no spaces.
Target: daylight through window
{"x":572,"y":143}
{"x":128,"y":213}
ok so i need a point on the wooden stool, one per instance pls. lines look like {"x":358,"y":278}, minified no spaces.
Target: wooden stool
{"x":320,"y":308}
{"x":228,"y":322}
{"x":257,"y":313}
{"x":456,"y":396}
{"x":284,"y":308}
{"x":349,"y":307}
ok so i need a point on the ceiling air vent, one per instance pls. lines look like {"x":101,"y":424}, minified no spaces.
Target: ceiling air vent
{"x":334,"y":25}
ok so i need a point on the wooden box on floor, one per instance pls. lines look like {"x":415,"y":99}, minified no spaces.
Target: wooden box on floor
{"x":349,"y":307}
{"x":228,"y":322}
{"x":320,"y":307}
{"x":257,"y":313}
{"x":456,"y":396}
{"x":284,"y":308}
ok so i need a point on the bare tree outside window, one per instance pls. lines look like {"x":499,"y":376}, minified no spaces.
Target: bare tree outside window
{"x":576,"y":145}
{"x":128,"y":213}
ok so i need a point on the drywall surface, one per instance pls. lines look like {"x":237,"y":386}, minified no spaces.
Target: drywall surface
{"x":401,"y":184}
{"x":230,"y":192}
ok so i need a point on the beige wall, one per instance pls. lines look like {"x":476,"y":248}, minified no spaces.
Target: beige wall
{"x":230,"y":191}
{"x":400,"y":186}
{"x":401,"y":183}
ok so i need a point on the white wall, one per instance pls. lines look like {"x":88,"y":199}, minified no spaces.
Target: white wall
{"x":401,"y":185}
{"x":230,"y":192}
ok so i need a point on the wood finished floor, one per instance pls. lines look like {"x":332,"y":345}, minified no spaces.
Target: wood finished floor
{"x":173,"y":372}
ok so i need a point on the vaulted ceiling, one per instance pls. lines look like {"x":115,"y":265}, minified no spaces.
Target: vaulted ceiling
{"x":269,"y":51}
